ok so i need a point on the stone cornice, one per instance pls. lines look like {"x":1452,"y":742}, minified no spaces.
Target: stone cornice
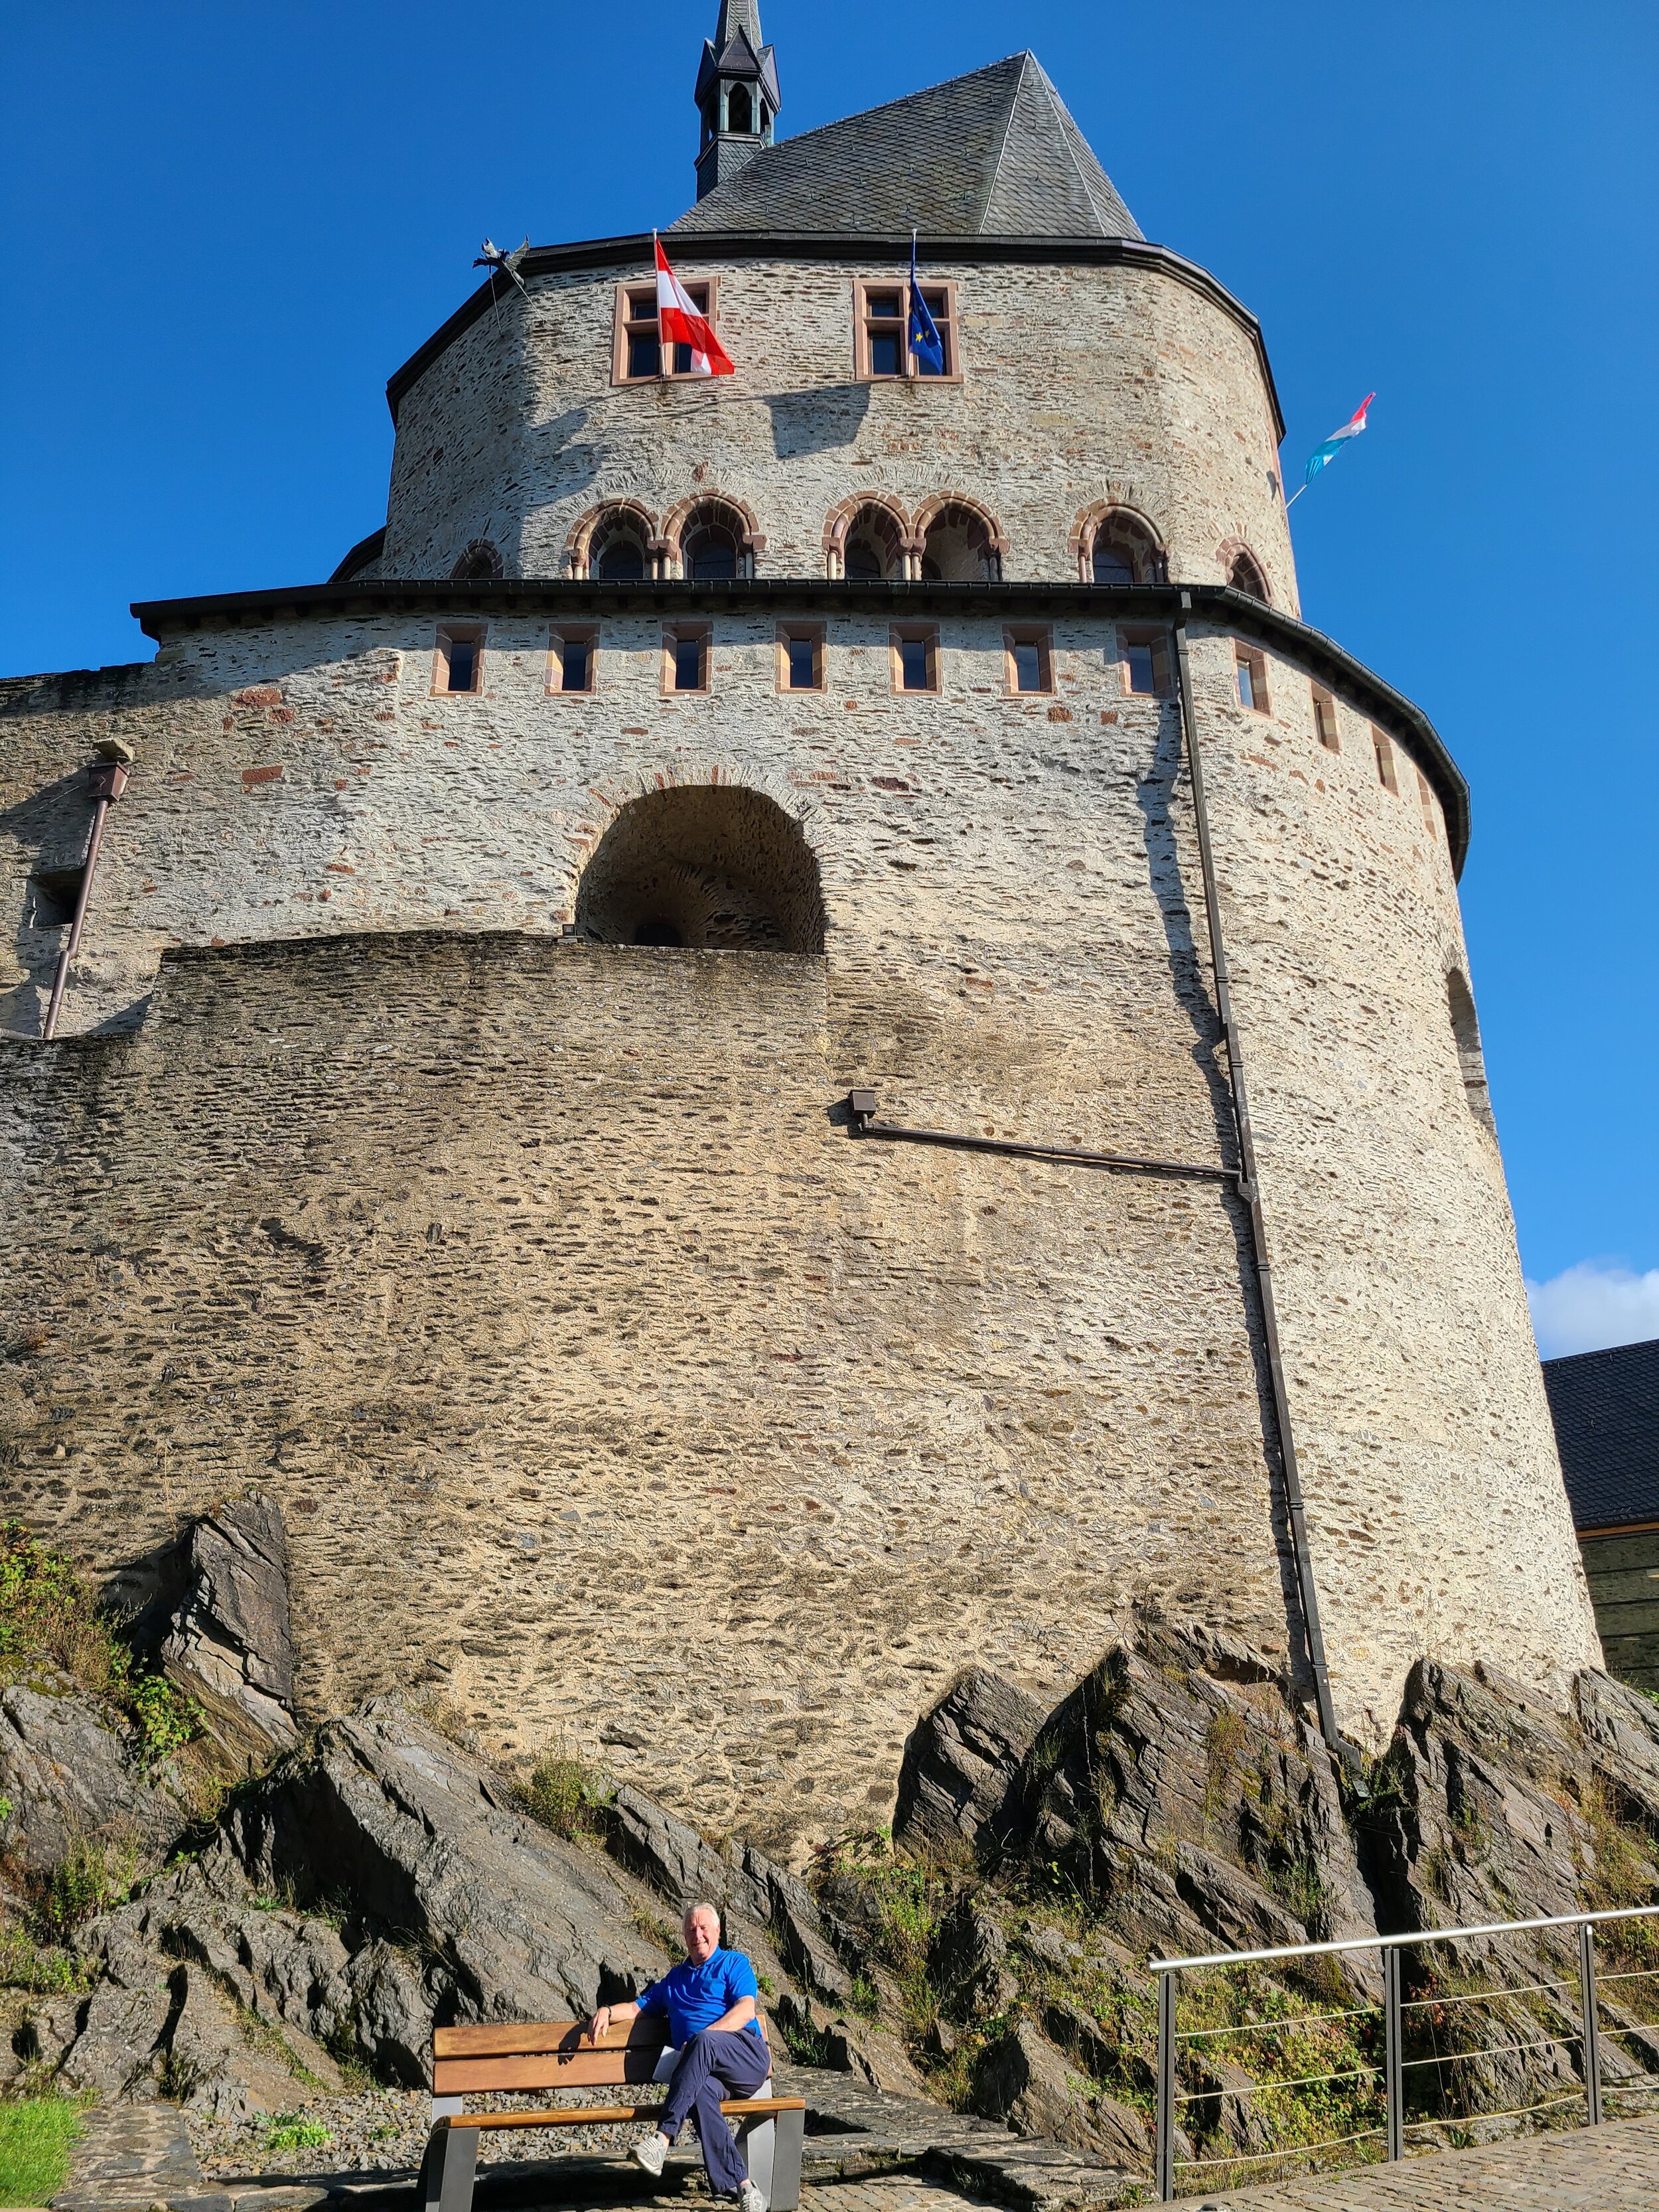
{"x":844,"y":246}
{"x":1215,"y":606}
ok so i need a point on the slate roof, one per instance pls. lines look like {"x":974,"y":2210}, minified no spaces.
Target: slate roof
{"x":995,"y":153}
{"x":1604,"y":1406}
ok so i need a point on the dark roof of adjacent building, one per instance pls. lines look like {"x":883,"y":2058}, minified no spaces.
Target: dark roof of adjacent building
{"x":1604,"y":1406}
{"x":993,"y":154}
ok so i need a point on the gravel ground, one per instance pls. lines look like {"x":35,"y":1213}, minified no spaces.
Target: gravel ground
{"x":380,"y":2130}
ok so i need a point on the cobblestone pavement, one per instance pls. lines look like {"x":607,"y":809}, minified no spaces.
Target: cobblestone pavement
{"x":1613,"y":2168}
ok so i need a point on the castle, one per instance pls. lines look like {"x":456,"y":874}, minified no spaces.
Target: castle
{"x":462,"y":1114}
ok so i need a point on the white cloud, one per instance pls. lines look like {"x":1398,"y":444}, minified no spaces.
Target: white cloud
{"x":1590,"y":1306}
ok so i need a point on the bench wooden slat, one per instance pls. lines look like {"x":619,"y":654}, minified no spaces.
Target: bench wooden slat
{"x":553,"y":2069}
{"x":591,"y":2115}
{"x":522,"y":2038}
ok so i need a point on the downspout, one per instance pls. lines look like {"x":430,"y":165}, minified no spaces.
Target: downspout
{"x":1250,"y":1189}
{"x":106,"y":779}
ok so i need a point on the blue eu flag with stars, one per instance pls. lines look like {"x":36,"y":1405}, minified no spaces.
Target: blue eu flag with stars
{"x":927,"y":346}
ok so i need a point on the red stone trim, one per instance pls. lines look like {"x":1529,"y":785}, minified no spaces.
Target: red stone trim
{"x":933,"y":507}
{"x":579,"y":543}
{"x":1081,"y":542}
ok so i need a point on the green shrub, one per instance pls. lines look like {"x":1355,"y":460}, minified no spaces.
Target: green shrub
{"x":92,"y":1878}
{"x":564,"y":1795}
{"x":36,"y":2137}
{"x":293,"y":2131}
{"x":43,"y":1969}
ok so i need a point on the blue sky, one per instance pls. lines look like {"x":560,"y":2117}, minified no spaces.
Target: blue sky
{"x":223,"y":228}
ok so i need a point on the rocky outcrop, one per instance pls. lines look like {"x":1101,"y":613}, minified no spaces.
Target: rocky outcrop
{"x":70,"y":1773}
{"x":229,"y":1646}
{"x":1023,"y":2080}
{"x":960,"y":1762}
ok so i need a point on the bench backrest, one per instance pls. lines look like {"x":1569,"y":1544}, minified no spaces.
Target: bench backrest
{"x":549,"y":2054}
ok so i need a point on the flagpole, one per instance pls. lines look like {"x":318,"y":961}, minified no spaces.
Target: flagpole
{"x":1294,"y":496}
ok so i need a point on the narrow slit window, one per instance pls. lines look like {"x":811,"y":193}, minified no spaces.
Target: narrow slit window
{"x":1386,"y":775}
{"x":1324,"y":707}
{"x":916,"y":659}
{"x":573,"y":660}
{"x":638,"y":357}
{"x":1251,"y":672}
{"x":686,"y":659}
{"x":800,"y":658}
{"x":1427,"y":798}
{"x":1029,"y":660}
{"x":458,"y":664}
{"x":884,"y":327}
{"x":1145,"y":663}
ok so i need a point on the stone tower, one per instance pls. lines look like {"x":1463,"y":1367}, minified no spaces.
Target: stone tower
{"x":796,"y":1011}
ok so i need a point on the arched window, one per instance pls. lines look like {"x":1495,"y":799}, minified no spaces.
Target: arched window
{"x":960,"y":547}
{"x":1466,"y":1032}
{"x":617,"y":552}
{"x":739,"y":114}
{"x":1124,"y":550}
{"x":704,"y":866}
{"x":873,"y":547}
{"x":710,"y":554}
{"x":477,"y":564}
{"x":1245,"y":576}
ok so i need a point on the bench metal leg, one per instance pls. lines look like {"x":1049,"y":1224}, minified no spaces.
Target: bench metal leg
{"x":451,"y":2167}
{"x":771,"y":2149}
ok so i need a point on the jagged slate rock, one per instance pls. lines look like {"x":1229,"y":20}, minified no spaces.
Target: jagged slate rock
{"x":803,"y":1942}
{"x":1095,"y":2051}
{"x":960,"y":1760}
{"x":874,"y":2056}
{"x":1622,"y":1729}
{"x":428,"y":1843}
{"x":45,"y":2030}
{"x":117,"y":2049}
{"x":391,"y":2015}
{"x":69,"y":1771}
{"x":669,"y":1855}
{"x":1022,"y":2079}
{"x":1178,"y":1785}
{"x":1483,"y":1826}
{"x":967,"y":1961}
{"x":230,"y":1644}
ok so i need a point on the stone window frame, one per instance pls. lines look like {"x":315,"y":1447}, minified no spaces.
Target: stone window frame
{"x":1040,"y":634}
{"x":1430,"y":818}
{"x":450,"y":635}
{"x":901,"y":634}
{"x":560,"y":635}
{"x":1107,"y":516}
{"x":1234,"y":553}
{"x":949,"y":322}
{"x":1328,"y":724}
{"x":704,"y":293}
{"x":1157,"y":636}
{"x":676,"y":634}
{"x":1251,"y":657}
{"x":1386,"y":774}
{"x":790,"y":632}
{"x":595,"y":524}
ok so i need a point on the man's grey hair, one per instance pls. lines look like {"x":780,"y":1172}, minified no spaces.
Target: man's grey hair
{"x":701,"y":1905}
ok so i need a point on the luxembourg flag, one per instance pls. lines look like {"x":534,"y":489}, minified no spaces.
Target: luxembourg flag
{"x":1333,"y":445}
{"x":679,"y":323}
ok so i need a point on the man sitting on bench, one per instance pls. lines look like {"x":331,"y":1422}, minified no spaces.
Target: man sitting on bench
{"x":710,"y":1999}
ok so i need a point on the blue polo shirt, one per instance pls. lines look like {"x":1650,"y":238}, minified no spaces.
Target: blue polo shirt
{"x":695,"y":1997}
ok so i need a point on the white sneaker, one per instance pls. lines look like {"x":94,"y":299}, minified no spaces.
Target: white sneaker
{"x":751,"y":2198}
{"x":650,"y":2152}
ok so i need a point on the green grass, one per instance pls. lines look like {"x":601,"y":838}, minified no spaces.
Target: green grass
{"x":293,"y":2131}
{"x":36,"y":2137}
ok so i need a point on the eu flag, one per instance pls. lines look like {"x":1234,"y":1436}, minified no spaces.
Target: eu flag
{"x":927,"y":346}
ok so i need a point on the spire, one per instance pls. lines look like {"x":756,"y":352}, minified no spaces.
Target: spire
{"x":737,"y":94}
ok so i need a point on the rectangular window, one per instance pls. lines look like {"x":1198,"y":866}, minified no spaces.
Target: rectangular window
{"x":882,"y":327}
{"x":573,"y":659}
{"x":1252,"y":674}
{"x":1427,"y":798}
{"x":1385,"y":768}
{"x":1324,"y":707}
{"x":636,"y":350}
{"x":686,"y":657}
{"x":801,"y":657}
{"x":457,"y":664}
{"x":1027,"y":660}
{"x":915,"y":657}
{"x":1145,"y":662}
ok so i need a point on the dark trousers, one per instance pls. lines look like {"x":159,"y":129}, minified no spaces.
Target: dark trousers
{"x":721,"y":2062}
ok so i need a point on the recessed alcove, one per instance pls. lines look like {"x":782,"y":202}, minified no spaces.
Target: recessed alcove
{"x":709,"y":866}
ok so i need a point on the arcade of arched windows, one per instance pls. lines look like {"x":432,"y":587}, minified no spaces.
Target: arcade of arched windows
{"x":951,"y":540}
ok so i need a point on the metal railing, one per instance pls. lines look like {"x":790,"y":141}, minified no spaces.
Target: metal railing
{"x":1394,"y":2126}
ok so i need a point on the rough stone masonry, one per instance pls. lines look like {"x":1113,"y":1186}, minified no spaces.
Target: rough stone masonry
{"x":541,"y":1281}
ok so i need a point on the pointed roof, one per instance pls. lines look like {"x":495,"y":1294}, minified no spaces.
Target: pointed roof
{"x":736,"y":49}
{"x":995,"y":153}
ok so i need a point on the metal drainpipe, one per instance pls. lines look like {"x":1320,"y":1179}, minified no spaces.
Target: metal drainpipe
{"x":105,"y":780}
{"x":1250,"y":1189}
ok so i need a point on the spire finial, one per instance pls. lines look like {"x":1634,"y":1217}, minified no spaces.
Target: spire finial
{"x":737,"y":94}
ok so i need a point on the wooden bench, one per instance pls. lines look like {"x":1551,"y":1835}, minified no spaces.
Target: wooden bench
{"x":551,"y":2055}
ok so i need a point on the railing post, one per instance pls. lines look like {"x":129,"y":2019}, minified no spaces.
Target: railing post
{"x":1393,"y":2093}
{"x":1166,"y":2081}
{"x":1592,"y":2021}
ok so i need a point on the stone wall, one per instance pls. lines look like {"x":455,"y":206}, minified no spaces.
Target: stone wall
{"x":448,"y":1231}
{"x":1080,"y":384}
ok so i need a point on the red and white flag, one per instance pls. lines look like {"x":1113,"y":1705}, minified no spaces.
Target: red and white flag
{"x":679,"y":323}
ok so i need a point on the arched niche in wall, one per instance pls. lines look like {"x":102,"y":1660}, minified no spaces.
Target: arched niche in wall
{"x":713,"y":867}
{"x":1466,"y":1032}
{"x":478,"y":564}
{"x":961,"y":543}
